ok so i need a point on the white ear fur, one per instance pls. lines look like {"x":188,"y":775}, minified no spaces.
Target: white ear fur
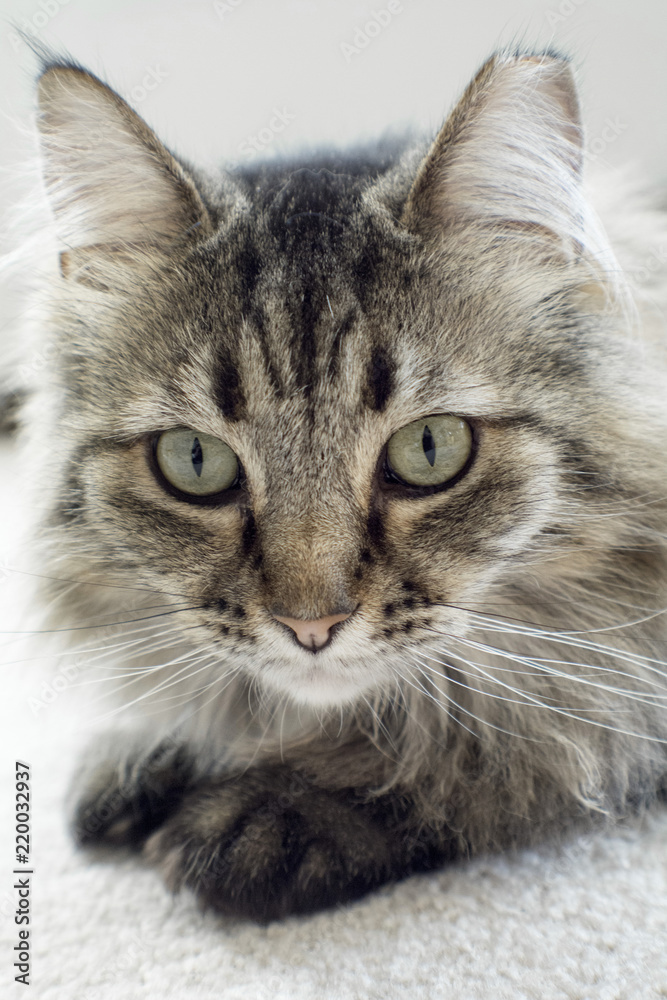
{"x":510,"y":152}
{"x":112,"y":185}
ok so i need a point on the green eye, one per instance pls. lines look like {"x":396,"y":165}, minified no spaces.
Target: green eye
{"x":430,"y":451}
{"x":195,"y":463}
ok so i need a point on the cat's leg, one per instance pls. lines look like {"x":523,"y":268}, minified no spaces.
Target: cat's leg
{"x":127,"y":785}
{"x":269,"y":843}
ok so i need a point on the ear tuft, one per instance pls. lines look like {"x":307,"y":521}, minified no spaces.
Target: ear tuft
{"x":510,"y":153}
{"x":112,"y":185}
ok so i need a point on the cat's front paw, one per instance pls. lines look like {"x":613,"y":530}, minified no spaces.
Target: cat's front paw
{"x":124,"y":790}
{"x":268,"y":844}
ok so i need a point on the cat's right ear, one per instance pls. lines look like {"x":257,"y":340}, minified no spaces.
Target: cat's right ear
{"x":118,"y":195}
{"x":509,"y":158}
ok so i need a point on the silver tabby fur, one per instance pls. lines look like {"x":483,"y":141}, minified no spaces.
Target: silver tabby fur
{"x":502,"y":676}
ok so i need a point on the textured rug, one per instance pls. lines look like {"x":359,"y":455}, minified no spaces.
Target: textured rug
{"x":585,"y":922}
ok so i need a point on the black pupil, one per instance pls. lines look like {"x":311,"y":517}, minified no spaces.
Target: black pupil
{"x":198,"y":457}
{"x":428,"y":444}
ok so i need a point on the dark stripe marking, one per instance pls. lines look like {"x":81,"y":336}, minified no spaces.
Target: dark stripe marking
{"x":380,"y":379}
{"x":249,"y":535}
{"x":227,"y":387}
{"x":376,"y":531}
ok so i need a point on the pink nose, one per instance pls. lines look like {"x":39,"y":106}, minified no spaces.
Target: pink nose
{"x":312,"y":634}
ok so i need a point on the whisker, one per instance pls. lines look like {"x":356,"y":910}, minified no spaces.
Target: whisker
{"x":547,"y":668}
{"x":148,"y":695}
{"x":483,"y":722}
{"x":560,"y":710}
{"x":79,"y":628}
{"x":90,"y":583}
{"x":566,"y":638}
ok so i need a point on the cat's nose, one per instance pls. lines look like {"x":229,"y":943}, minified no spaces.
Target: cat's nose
{"x":312,"y":634}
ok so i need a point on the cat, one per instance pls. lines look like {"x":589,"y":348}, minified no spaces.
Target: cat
{"x":354,"y":468}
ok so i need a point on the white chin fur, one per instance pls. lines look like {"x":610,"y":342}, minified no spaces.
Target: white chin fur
{"x":317,"y":686}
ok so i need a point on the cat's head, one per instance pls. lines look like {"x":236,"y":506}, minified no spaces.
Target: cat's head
{"x":337,"y":407}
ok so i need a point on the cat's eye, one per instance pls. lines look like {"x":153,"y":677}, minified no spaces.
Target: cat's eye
{"x":195,"y":463}
{"x":429,"y":451}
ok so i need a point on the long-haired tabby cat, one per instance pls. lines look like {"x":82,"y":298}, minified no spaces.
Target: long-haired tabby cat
{"x":364,"y":457}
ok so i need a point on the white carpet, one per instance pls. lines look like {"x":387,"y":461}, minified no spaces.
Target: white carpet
{"x":588,"y":922}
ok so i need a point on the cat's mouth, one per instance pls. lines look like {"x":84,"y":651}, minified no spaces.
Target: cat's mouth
{"x":325,"y":680}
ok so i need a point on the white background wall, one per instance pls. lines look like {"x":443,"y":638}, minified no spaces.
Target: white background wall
{"x":218,"y":69}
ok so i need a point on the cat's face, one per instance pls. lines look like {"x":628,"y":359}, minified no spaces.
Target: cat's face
{"x":315,"y":317}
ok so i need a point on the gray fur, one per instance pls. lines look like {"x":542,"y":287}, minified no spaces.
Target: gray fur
{"x":502,"y":676}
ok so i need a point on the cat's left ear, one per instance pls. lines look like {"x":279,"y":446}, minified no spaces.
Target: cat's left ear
{"x":117,"y":193}
{"x":509,"y":155}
